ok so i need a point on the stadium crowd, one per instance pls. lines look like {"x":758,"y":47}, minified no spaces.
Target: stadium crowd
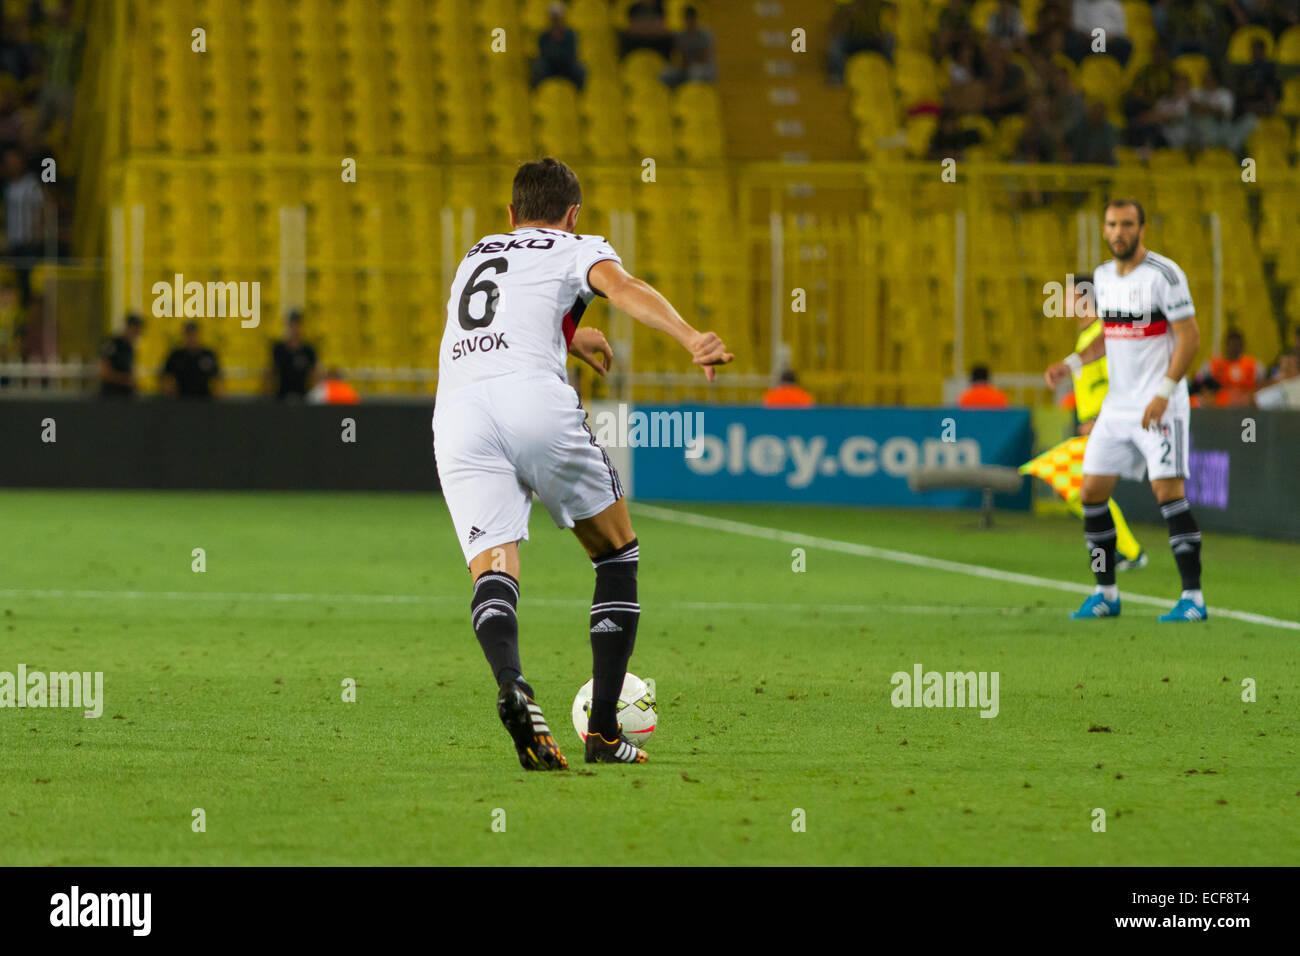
{"x":38,"y":54}
{"x":1000,"y":69}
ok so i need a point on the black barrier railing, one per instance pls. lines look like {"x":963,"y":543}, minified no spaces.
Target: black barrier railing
{"x":1245,"y":463}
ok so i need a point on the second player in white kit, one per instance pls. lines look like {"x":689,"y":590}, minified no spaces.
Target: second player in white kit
{"x":1138,"y":310}
{"x":1150,"y":339}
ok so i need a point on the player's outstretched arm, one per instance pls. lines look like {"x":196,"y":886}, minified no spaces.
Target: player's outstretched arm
{"x":640,"y":300}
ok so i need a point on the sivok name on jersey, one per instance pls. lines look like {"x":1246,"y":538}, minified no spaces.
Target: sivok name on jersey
{"x":489,"y":342}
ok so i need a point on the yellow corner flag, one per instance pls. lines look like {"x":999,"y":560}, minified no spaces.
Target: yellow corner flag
{"x":1061,"y":467}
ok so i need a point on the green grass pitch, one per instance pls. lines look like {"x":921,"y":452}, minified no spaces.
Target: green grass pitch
{"x":224,"y":692}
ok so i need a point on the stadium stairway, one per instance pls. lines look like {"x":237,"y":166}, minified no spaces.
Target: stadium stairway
{"x":797,"y":116}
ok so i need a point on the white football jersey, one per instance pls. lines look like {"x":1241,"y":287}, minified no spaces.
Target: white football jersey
{"x":1136,"y":310}
{"x":515,"y":301}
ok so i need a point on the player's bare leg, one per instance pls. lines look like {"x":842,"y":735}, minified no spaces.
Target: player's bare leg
{"x":1099,"y":533}
{"x":1185,"y":541}
{"x":495,"y":573}
{"x":612,"y":546}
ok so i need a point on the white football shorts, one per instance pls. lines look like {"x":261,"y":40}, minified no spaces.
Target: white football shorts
{"x":502,"y":439}
{"x":1119,"y":445}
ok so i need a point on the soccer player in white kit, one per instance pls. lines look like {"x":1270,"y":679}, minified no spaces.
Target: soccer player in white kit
{"x":506,"y":424}
{"x":1150,"y":339}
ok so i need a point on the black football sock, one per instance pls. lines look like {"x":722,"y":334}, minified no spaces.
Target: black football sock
{"x":614,"y":614}
{"x":1099,"y":533}
{"x":492,"y":612}
{"x":1185,"y":540}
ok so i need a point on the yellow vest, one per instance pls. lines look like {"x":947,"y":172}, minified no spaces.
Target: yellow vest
{"x":1090,"y":383}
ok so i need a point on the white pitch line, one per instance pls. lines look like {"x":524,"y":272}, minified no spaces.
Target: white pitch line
{"x":290,"y":597}
{"x":921,"y":561}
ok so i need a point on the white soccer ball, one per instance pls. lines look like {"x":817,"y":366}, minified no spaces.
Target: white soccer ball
{"x":637,"y":711}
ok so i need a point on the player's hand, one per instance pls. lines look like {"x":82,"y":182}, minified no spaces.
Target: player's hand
{"x":1057,"y":372}
{"x":590,"y":346}
{"x":1085,"y":428}
{"x":707,"y":350}
{"x":1154,"y":412}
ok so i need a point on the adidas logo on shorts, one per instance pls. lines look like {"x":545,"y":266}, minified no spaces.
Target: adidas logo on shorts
{"x":606,"y":627}
{"x":475,"y":533}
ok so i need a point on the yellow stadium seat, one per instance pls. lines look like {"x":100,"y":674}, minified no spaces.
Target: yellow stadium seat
{"x":1239,"y":45}
{"x":1168,"y":158}
{"x":642,"y":67}
{"x":1029,"y":13}
{"x":1292,"y":306}
{"x":1102,"y":78}
{"x":1137,"y":12}
{"x":1193,"y":66}
{"x":1287,"y":51}
{"x":915,"y":78}
{"x":866,"y":71}
{"x":1270,"y":135}
{"x":1290,"y":105}
{"x":981,"y":13}
{"x":920,"y":130}
{"x":1220,"y":158}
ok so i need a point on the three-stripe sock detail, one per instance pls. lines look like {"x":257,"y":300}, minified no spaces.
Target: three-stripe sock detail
{"x":614,"y":616}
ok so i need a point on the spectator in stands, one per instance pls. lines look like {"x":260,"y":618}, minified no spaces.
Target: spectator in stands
{"x":293,"y":363}
{"x":965,"y":88}
{"x":117,"y":361}
{"x":1108,"y":16}
{"x":787,"y":394}
{"x":191,"y":371}
{"x":1068,"y":103}
{"x":1007,"y":26}
{"x":1094,"y":140}
{"x":953,"y":30}
{"x":1042,"y":140}
{"x":1256,"y":83}
{"x":1288,"y":367}
{"x":1270,"y":14}
{"x":1189,"y":26}
{"x":557,"y":52}
{"x":332,"y":390}
{"x":646,"y":29}
{"x":1211,"y":122}
{"x":950,"y":141}
{"x":24,"y":202}
{"x":1172,"y":112}
{"x":1005,"y":89}
{"x":19,"y":57}
{"x":855,"y":27}
{"x":1151,"y":82}
{"x":1232,"y":377}
{"x":692,"y":59}
{"x":982,"y":393}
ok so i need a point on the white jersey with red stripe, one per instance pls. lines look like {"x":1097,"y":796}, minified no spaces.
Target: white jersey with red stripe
{"x":1136,"y":311}
{"x":515,"y":302}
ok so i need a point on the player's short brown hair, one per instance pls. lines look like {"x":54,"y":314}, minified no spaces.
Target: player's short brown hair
{"x":543,"y":191}
{"x":1142,"y":215}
